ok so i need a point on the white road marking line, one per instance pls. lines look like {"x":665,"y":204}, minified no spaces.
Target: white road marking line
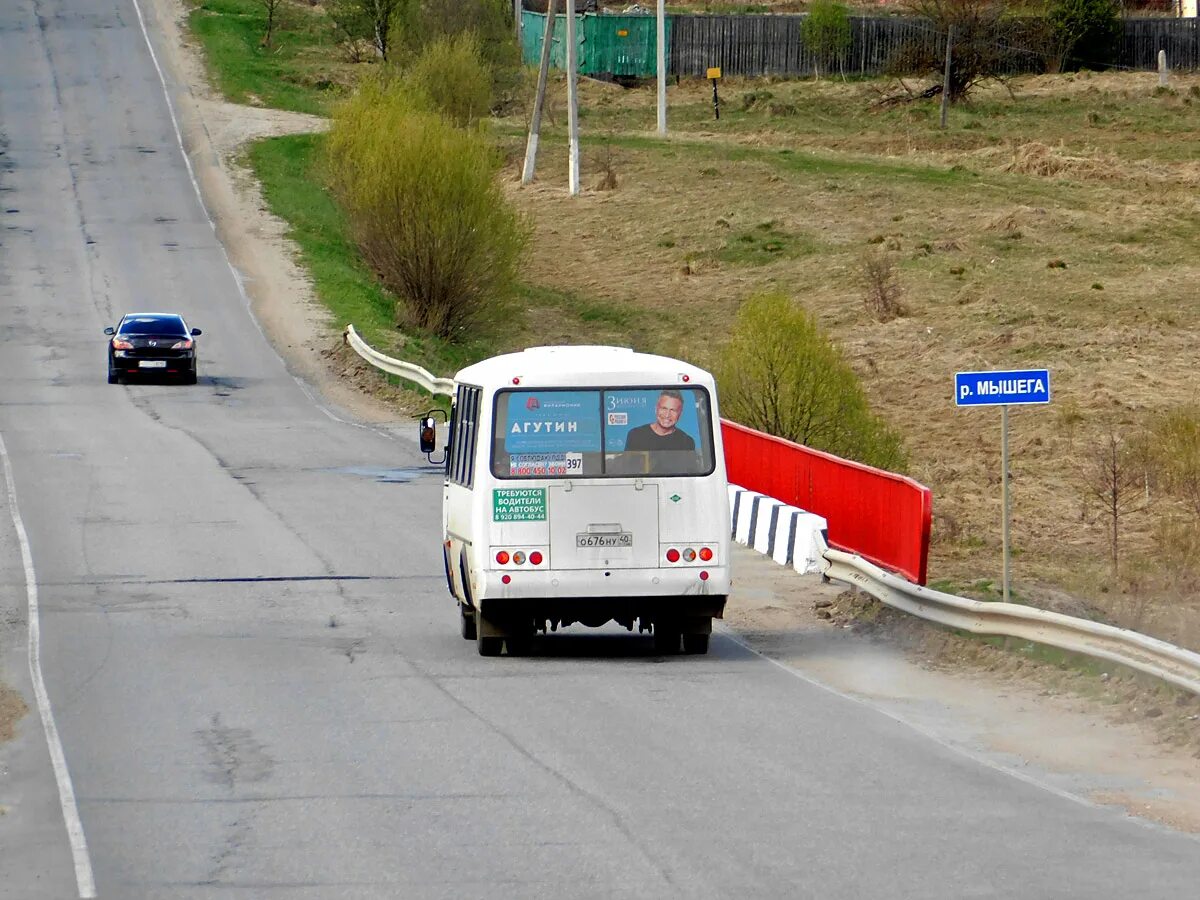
{"x":66,"y":792}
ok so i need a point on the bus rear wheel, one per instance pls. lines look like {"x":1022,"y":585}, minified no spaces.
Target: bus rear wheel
{"x":666,"y":638}
{"x":486,"y":640}
{"x":695,"y":643}
{"x":466,"y":617}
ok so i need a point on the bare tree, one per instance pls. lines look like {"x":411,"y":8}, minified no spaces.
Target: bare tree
{"x":978,"y":50}
{"x":369,"y":20}
{"x":272,"y":8}
{"x":1115,"y":475}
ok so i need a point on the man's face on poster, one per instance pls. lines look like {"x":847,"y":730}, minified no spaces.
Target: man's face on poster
{"x":667,"y":412}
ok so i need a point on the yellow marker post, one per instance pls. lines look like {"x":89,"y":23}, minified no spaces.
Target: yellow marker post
{"x":714,"y":75}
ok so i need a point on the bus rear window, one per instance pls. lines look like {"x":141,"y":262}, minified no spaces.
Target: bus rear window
{"x":602,"y":432}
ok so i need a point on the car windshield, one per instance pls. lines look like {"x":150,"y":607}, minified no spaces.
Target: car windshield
{"x":153,"y":325}
{"x":660,"y":431}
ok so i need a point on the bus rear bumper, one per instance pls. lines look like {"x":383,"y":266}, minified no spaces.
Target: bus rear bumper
{"x":627,"y":584}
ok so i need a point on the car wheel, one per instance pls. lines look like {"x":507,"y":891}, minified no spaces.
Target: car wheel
{"x":113,"y":377}
{"x":189,"y":378}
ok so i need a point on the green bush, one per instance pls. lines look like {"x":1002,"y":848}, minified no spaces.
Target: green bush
{"x":826,"y":32}
{"x":452,"y":75}
{"x":1087,"y":31}
{"x":429,"y":21}
{"x":427,"y":210}
{"x":780,"y":374}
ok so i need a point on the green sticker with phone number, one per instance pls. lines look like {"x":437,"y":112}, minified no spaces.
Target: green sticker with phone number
{"x":519,"y":505}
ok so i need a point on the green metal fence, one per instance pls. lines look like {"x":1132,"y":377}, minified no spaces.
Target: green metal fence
{"x":622,"y":46}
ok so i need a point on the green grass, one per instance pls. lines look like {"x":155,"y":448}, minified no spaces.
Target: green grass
{"x":288,"y":168}
{"x":299,"y":72}
{"x":764,"y":244}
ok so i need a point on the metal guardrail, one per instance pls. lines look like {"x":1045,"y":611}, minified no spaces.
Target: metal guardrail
{"x":414,"y":373}
{"x":1128,"y":648}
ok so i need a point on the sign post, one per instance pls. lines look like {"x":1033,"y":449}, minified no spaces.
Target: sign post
{"x":1003,"y":389}
{"x":714,"y":75}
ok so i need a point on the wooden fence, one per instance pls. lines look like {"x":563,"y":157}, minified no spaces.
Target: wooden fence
{"x":773,"y":45}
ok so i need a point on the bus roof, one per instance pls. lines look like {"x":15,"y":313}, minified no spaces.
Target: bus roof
{"x":570,"y":366}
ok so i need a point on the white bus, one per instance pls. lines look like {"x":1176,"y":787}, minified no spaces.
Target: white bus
{"x":583,"y":485}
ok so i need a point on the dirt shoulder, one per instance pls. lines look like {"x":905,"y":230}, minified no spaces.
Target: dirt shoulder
{"x":1114,"y":741}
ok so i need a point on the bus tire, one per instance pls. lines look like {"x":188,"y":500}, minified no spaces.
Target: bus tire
{"x":486,"y":640}
{"x":695,"y":643}
{"x":466,"y":616}
{"x":666,"y":638}
{"x":519,"y":636}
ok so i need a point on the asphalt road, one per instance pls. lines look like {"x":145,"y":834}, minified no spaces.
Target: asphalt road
{"x":253,"y":665}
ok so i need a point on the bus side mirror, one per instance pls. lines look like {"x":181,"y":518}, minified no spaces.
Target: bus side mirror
{"x":428,"y":435}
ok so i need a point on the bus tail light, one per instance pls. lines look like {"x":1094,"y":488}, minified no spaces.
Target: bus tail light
{"x":502,"y":557}
{"x":704,"y":576}
{"x":519,"y":557}
{"x":705,"y":554}
{"x":672,"y":555}
{"x":535,"y":558}
{"x":689,"y":555}
{"x":506,"y":578}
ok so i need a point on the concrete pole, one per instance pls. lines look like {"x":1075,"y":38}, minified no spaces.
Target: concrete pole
{"x":1162,"y":68}
{"x":572,"y":100}
{"x":662,"y":68}
{"x":517,"y":5}
{"x":535,"y":125}
{"x":1004,"y":491}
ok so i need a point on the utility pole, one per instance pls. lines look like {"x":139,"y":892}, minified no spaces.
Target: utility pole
{"x":572,"y":100}
{"x":662,"y":68}
{"x":535,"y":125}
{"x":517,"y":6}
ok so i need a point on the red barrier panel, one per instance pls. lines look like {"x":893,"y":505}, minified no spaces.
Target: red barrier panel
{"x":881,"y":516}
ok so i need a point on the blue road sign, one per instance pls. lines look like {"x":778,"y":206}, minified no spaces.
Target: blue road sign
{"x":1001,"y":388}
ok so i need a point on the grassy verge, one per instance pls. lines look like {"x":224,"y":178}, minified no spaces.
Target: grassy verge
{"x":301,"y":70}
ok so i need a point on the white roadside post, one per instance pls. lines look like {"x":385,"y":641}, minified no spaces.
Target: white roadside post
{"x":572,"y":101}
{"x":535,"y":125}
{"x":1002,"y":389}
{"x":662,"y":67}
{"x":1163,"y":72}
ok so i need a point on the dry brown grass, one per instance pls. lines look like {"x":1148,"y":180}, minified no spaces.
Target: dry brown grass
{"x":973,"y":241}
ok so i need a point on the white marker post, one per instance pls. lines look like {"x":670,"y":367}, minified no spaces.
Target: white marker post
{"x":572,"y":101}
{"x":662,"y":68}
{"x":1002,"y":389}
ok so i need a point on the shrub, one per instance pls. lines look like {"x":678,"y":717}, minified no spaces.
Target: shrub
{"x":429,"y":21}
{"x":1087,"y":31}
{"x":881,"y":291}
{"x":450,"y":73}
{"x":1175,"y":444}
{"x":780,"y":374}
{"x":826,"y":32}
{"x":426,"y":208}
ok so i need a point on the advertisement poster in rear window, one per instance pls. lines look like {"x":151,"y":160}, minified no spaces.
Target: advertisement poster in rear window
{"x":651,"y":419}
{"x":547,"y":432}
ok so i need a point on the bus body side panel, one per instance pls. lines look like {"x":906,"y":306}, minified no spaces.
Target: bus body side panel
{"x":457,"y":506}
